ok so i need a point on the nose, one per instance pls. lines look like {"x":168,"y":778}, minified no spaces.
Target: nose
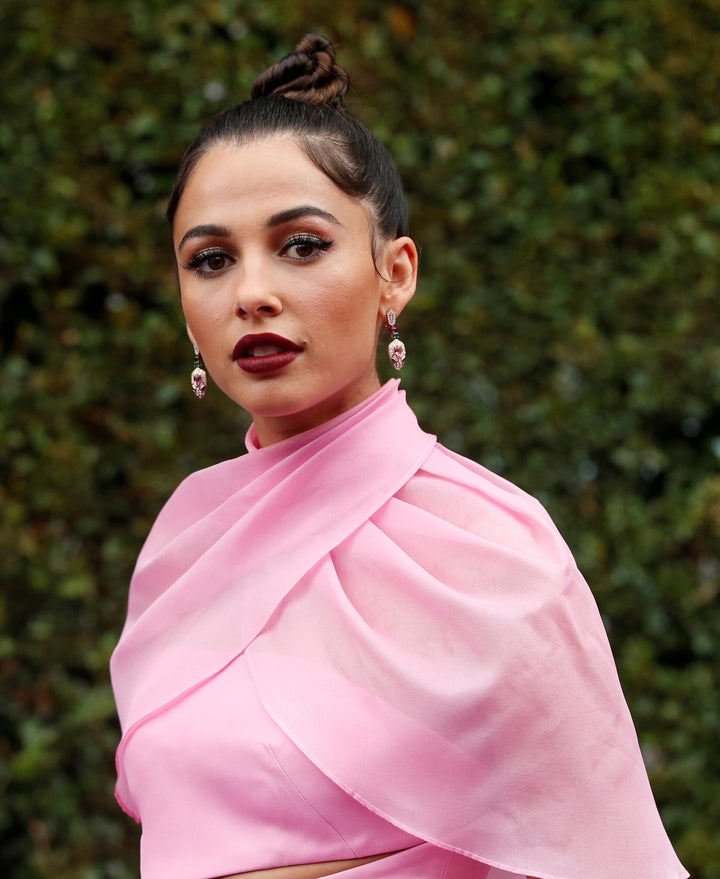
{"x":255,"y":294}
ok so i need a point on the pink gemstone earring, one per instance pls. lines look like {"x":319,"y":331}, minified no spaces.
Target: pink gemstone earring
{"x":198,"y":377}
{"x":396,"y":349}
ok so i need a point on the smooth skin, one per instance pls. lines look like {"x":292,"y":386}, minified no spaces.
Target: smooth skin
{"x":266,"y":243}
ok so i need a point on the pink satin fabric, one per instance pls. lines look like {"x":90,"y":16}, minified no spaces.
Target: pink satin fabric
{"x":214,"y":775}
{"x":418,"y":628}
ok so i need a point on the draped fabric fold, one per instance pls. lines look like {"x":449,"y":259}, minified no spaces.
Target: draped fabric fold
{"x":233,"y":539}
{"x":416,"y":625}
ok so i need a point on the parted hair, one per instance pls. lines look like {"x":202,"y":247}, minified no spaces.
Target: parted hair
{"x":301,"y":96}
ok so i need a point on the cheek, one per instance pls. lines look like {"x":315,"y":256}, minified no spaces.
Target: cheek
{"x":199,"y":310}
{"x":352,"y":319}
{"x":188,"y":302}
{"x":352,"y":297}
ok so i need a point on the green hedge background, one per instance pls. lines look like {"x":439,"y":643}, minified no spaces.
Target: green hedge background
{"x":563,"y":165}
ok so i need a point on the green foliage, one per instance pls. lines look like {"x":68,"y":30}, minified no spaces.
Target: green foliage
{"x":563,"y":166}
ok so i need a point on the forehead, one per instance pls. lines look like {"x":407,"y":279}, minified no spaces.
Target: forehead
{"x":259,"y":178}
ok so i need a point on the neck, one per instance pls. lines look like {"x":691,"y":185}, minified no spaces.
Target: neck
{"x":271,"y":429}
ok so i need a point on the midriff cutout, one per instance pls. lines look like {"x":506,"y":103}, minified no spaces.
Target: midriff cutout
{"x":308,"y":871}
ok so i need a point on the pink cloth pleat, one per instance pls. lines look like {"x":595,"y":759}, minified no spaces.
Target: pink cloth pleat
{"x":418,"y":628}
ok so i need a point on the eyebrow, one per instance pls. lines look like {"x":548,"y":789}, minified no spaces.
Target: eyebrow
{"x":201,"y":231}
{"x":296,"y":213}
{"x":275,"y":220}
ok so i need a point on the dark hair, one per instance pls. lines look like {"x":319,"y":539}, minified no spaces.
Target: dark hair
{"x":302,"y":95}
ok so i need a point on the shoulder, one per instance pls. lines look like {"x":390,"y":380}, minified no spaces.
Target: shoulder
{"x":468,"y":496}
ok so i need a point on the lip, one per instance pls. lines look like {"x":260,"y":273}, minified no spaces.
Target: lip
{"x":269,"y":362}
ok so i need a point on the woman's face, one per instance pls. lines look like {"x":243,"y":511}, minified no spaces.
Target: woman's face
{"x":279,"y":286}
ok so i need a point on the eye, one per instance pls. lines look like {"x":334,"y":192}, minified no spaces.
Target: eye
{"x":208,"y":262}
{"x":305,"y":247}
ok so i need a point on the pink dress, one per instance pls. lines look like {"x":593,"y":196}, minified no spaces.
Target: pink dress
{"x":217,"y":741}
{"x":354,"y":642}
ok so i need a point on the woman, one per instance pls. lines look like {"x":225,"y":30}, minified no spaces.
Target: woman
{"x":352,"y":650}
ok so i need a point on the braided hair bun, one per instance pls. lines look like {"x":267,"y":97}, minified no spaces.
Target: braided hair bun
{"x":308,"y":74}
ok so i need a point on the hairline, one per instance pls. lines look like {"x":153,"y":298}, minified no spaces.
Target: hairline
{"x":299,"y":139}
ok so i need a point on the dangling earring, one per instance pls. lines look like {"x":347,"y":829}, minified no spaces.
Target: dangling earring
{"x":198,"y":377}
{"x":396,"y":349}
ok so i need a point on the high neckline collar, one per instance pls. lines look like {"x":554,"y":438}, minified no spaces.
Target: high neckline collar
{"x":389,"y":389}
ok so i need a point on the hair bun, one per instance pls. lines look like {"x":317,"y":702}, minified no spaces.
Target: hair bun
{"x":308,"y":74}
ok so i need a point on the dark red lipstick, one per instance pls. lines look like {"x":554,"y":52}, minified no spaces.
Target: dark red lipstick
{"x":264,"y":352}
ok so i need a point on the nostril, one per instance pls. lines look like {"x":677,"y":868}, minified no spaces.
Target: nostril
{"x":248,"y":304}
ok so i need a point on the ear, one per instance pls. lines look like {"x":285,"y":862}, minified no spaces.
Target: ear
{"x":399,"y":272}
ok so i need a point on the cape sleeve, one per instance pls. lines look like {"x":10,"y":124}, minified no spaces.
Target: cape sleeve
{"x":446,"y":664}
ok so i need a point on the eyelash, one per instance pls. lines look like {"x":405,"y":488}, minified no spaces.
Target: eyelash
{"x":194,"y":263}
{"x":319,"y":245}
